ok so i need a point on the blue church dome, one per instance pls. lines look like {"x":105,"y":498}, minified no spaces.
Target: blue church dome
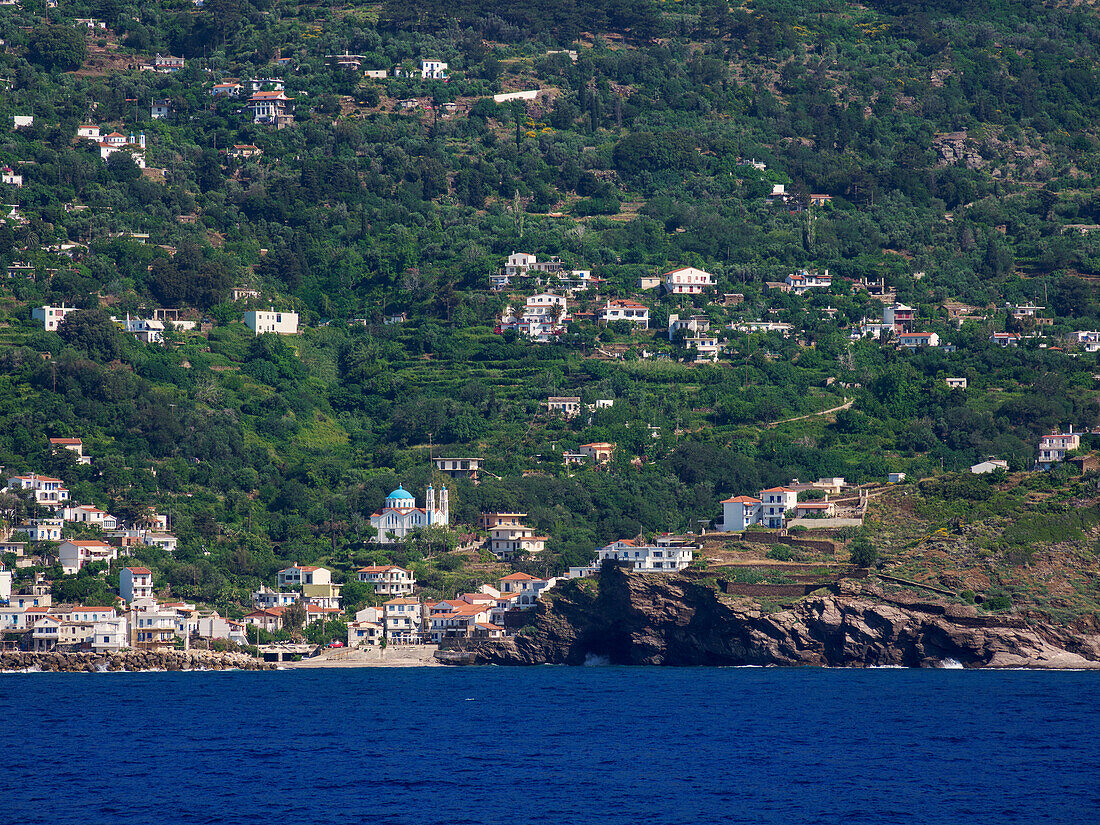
{"x":400,"y":492}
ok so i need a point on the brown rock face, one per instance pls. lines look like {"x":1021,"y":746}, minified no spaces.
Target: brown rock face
{"x":654,"y":620}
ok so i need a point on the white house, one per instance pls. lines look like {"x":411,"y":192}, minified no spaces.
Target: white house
{"x":598,"y":452}
{"x":388,"y":579}
{"x":688,"y":280}
{"x":367,"y":629}
{"x":801,"y":282}
{"x":632,"y":311}
{"x":693,"y":323}
{"x":48,"y":491}
{"x":10,"y":177}
{"x":166,"y":64}
{"x":302,"y":575}
{"x":508,"y":538}
{"x":399,"y":515}
{"x":281,"y":323}
{"x":433,"y":69}
{"x":1053,"y":447}
{"x":403,"y":620}
{"x":990,"y":465}
{"x":22,"y":121}
{"x":1005,"y":339}
{"x":568,"y":406}
{"x":6,"y":578}
{"x":914,"y":340}
{"x":271,"y":108}
{"x":739,"y":512}
{"x":75,"y":553}
{"x":956,"y":383}
{"x":706,"y":347}
{"x":266,"y":598}
{"x":51,"y":317}
{"x":117,"y":142}
{"x":662,"y":557}
{"x":43,"y":529}
{"x":774,"y":504}
{"x":160,"y":109}
{"x":135,"y":583}
{"x":543,"y":319}
{"x":459,"y":467}
{"x":228,"y":89}
{"x":74,"y":445}
{"x":86,"y":514}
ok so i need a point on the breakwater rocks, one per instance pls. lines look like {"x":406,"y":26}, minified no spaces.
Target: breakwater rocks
{"x":653,"y":620}
{"x":130,"y":660}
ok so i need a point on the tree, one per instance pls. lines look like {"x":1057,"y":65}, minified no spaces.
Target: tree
{"x":295,"y":616}
{"x":862,"y":553}
{"x":93,"y":331}
{"x":61,"y":48}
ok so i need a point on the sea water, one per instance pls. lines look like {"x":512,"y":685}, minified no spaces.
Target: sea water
{"x":602,"y":745}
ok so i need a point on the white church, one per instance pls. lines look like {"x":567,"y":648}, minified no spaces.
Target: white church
{"x":400,"y":515}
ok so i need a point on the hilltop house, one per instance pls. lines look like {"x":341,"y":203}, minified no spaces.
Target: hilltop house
{"x":568,"y":406}
{"x":509,"y":536}
{"x":48,"y":491}
{"x":399,"y":515}
{"x":706,"y":347}
{"x":598,"y":452}
{"x":51,"y":317}
{"x":86,"y":514}
{"x":302,"y":575}
{"x":459,"y":467}
{"x":271,"y":108}
{"x":281,"y":323}
{"x":688,"y":280}
{"x":801,"y":282}
{"x":669,"y":554}
{"x":1005,"y":339}
{"x":160,"y":109}
{"x":74,"y":445}
{"x":769,"y":508}
{"x":914,"y":340}
{"x":9,"y":176}
{"x":76,"y":553}
{"x":227,"y":89}
{"x":388,"y":579}
{"x":135,"y":583}
{"x":1053,"y":448}
{"x":166,"y":64}
{"x":898,"y":317}
{"x":632,"y":311}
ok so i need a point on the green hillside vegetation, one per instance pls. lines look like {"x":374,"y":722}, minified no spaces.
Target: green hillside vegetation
{"x":956,"y":142}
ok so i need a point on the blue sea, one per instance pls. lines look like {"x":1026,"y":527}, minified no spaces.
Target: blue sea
{"x":605,"y":745}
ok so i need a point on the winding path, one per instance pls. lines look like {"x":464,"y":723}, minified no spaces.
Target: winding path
{"x":846,"y":405}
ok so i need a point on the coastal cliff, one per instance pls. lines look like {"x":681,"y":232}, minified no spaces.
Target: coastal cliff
{"x":653,"y":620}
{"x":130,"y":660}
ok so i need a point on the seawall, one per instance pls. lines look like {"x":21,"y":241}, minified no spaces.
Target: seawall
{"x":58,"y":662}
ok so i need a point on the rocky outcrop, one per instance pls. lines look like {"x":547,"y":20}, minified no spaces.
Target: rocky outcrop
{"x":131,"y":660}
{"x":652,"y":620}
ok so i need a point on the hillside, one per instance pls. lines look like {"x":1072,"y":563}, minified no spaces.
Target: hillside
{"x":937,"y":157}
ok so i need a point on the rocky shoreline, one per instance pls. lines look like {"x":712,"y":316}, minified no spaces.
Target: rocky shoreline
{"x":638,"y":619}
{"x":129,"y":660}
